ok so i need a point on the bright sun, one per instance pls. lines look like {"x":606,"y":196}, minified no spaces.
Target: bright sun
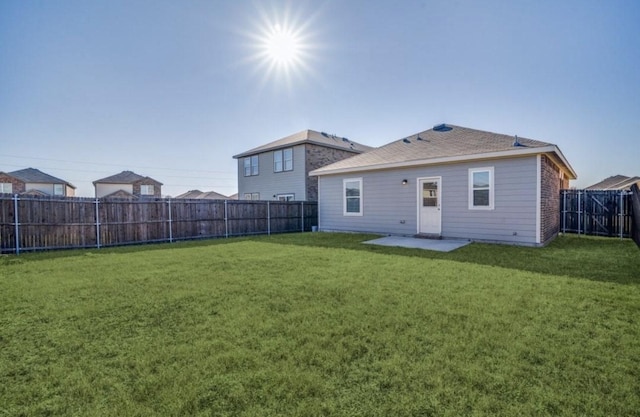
{"x":282,"y":46}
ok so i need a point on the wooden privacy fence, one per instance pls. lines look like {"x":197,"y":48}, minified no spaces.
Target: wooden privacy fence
{"x":34,"y":223}
{"x":594,"y":212}
{"x":635,"y":204}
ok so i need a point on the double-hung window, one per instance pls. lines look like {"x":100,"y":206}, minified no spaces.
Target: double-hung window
{"x":6,"y":188}
{"x":58,"y":189}
{"x":146,"y":189}
{"x":352,"y":194}
{"x":251,"y":166}
{"x":481,"y":189}
{"x":283,"y":160}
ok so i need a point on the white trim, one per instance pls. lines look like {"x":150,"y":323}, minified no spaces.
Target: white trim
{"x":538,"y":198}
{"x":449,"y":159}
{"x":419,"y":201}
{"x":344,"y":196}
{"x":492,"y":189}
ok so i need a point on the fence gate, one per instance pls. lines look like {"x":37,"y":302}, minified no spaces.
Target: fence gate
{"x":594,"y":212}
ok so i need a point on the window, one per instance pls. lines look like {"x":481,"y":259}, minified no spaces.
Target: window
{"x":6,"y":188}
{"x":58,"y":189}
{"x":251,"y":196}
{"x":286,"y":197}
{"x":251,"y":166}
{"x":352,"y":192}
{"x":146,"y":189}
{"x":283,"y":160}
{"x":481,"y":189}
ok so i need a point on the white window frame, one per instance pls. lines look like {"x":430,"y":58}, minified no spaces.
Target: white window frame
{"x":251,"y":196}
{"x":246,"y":196}
{"x":147,"y":188}
{"x":345,"y":198}
{"x":58,"y":189}
{"x":491,"y":188}
{"x":286,"y":197}
{"x":251,"y":166}
{"x":6,"y":188}
{"x":283,"y":157}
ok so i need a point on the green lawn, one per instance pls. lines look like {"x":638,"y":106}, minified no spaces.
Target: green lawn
{"x":318,"y":324}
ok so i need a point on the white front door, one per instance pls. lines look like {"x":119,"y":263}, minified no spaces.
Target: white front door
{"x":429,"y":219}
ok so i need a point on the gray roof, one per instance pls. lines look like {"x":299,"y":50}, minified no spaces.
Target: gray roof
{"x":444,"y":143}
{"x":615,"y":182}
{"x":125,"y":177}
{"x":37,"y":176}
{"x":203,"y":195}
{"x":309,"y":136}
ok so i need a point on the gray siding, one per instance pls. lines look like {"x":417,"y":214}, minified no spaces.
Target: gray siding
{"x":386,"y":202}
{"x":269,"y":183}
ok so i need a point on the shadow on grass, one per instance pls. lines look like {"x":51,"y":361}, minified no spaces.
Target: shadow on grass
{"x":594,"y":258}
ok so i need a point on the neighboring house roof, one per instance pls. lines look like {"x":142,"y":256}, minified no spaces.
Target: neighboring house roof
{"x":204,"y":195}
{"x":125,"y":177}
{"x":233,"y":196}
{"x":443,"y":144}
{"x":122,"y":194}
{"x":309,"y":136}
{"x":616,"y":182}
{"x":36,"y":176}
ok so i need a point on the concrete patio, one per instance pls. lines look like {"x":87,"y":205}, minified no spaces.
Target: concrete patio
{"x":440,"y":245}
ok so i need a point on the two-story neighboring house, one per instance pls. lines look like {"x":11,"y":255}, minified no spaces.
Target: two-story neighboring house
{"x":35,"y":182}
{"x":127,"y":184}
{"x":280,"y":170}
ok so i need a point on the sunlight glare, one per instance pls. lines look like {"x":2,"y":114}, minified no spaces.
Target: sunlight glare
{"x":282,"y":46}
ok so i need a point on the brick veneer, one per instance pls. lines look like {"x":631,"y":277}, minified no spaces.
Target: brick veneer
{"x":551,"y":184}
{"x":317,"y":157}
{"x":157,"y":188}
{"x":17,"y":185}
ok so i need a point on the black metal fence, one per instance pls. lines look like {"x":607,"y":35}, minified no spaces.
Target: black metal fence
{"x":593,"y":212}
{"x":29,"y":223}
{"x":635,"y":204}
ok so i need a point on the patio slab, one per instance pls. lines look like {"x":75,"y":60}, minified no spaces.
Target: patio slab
{"x":440,"y":245}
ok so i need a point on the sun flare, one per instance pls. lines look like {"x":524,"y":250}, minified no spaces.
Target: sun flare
{"x":282,"y":46}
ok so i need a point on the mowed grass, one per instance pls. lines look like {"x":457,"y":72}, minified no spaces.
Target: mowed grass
{"x":318,"y":324}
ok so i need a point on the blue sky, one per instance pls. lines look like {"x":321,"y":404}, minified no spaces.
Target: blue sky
{"x":173,"y":89}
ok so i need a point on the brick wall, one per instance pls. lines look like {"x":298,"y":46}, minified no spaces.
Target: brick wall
{"x":17,"y":185}
{"x":157,"y":188}
{"x":551,"y":184}
{"x":317,"y":157}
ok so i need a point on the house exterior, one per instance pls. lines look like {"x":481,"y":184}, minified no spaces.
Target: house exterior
{"x":202,"y":195}
{"x":616,"y":182}
{"x":127,"y":184}
{"x":32,"y":181}
{"x":451,"y":182}
{"x":280,"y":170}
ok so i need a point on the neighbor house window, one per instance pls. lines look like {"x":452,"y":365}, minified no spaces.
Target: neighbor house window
{"x":481,"y":189}
{"x":352,"y":193}
{"x":58,"y":189}
{"x":6,"y":188}
{"x":146,"y":190}
{"x":252,"y":196}
{"x":286,"y":197}
{"x":283,"y":160}
{"x":251,"y":166}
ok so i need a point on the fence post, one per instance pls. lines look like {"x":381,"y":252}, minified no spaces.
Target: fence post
{"x":579,"y":213}
{"x":564,"y":211}
{"x":97,"y":224}
{"x":620,"y":218}
{"x":226,"y":220}
{"x":302,"y":215}
{"x":17,"y":223}
{"x":268,"y":219}
{"x":170,"y":231}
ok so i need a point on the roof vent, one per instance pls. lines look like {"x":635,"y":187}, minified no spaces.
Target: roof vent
{"x":345,"y":140}
{"x":324,"y":134}
{"x":442,"y":128}
{"x":424,"y":140}
{"x":517,"y":143}
{"x":405,"y":140}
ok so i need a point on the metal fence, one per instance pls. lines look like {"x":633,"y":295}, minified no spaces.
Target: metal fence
{"x":635,"y":204}
{"x":30,"y":223}
{"x":592,"y":212}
